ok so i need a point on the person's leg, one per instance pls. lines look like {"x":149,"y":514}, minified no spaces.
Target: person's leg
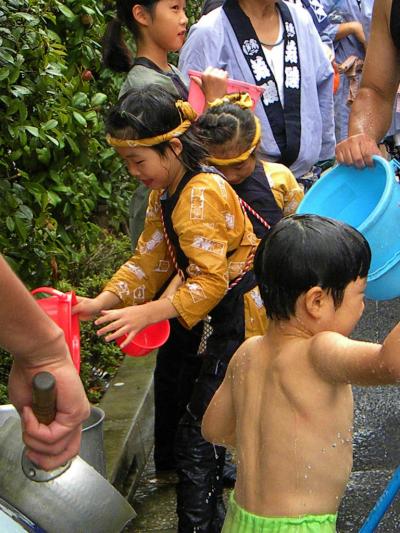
{"x":176,"y":370}
{"x":199,"y":464}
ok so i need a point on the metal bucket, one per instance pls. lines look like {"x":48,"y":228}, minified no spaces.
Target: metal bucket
{"x":92,"y":445}
{"x":78,"y":499}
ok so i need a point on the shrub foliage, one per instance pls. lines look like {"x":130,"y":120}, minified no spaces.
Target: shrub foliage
{"x":64,"y":194}
{"x":58,"y":176}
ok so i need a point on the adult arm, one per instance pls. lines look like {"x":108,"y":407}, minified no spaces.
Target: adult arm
{"x":38,"y":344}
{"x":372,"y":109}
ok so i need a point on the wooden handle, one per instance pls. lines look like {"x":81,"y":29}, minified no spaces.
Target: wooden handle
{"x":44,"y":397}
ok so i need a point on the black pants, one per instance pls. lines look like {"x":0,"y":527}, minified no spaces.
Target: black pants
{"x":200,"y":464}
{"x":177,"y":368}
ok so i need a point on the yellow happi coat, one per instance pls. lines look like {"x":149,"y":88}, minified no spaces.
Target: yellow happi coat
{"x":216,"y":237}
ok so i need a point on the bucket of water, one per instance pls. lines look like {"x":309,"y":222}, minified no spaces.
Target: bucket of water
{"x":58,"y":306}
{"x":196,"y":96}
{"x":369,"y":200}
{"x":147,"y":339}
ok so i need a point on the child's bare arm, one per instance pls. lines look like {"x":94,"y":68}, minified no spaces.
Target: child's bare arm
{"x":339,"y":359}
{"x":219,"y":421}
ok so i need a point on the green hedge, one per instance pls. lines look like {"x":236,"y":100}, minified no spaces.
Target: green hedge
{"x":59,"y":177}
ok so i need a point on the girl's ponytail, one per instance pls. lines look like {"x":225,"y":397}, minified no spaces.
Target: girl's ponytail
{"x":116,"y":54}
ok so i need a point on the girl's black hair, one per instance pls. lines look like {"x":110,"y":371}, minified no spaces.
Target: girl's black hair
{"x":228,"y":123}
{"x":151,"y":111}
{"x":304,"y":251}
{"x":116,"y":54}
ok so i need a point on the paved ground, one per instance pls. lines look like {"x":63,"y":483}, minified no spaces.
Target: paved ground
{"x":376,"y":450}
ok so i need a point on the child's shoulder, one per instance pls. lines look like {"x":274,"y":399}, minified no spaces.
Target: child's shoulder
{"x":247,"y":352}
{"x":210,"y":181}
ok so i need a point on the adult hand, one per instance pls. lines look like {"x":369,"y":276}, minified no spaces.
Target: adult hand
{"x":53,"y":445}
{"x":213,"y":83}
{"x":357,"y":150}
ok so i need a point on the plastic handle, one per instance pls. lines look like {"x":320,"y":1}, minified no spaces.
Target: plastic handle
{"x":382,"y":505}
{"x":47,"y":290}
{"x":44,"y":397}
{"x":395,"y":164}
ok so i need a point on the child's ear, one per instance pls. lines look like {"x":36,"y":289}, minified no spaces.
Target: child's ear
{"x":314,"y":301}
{"x":140,"y":14}
{"x":176,"y":146}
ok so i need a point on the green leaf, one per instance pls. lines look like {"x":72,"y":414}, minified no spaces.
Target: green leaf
{"x":54,"y":199}
{"x":79,"y":100}
{"x":23,"y":110}
{"x":79,"y":118}
{"x":88,"y":10}
{"x":4,"y":73}
{"x":21,"y":228}
{"x":91,"y":115}
{"x":43,"y":155}
{"x":10,"y":223}
{"x":33,"y":21}
{"x":50,"y":124}
{"x":14,"y":75}
{"x":53,"y":140}
{"x":44,"y":200}
{"x":73,"y":145}
{"x":24,"y":212}
{"x":20,"y":90}
{"x":5,"y":56}
{"x":32,"y":130}
{"x":16,"y":155}
{"x":98,"y":99}
{"x":65,"y":11}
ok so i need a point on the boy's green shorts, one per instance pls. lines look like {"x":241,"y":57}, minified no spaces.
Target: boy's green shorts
{"x":240,"y":521}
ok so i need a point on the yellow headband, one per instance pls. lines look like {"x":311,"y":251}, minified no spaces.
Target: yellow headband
{"x":242,"y":157}
{"x":187,"y":114}
{"x":243,"y":100}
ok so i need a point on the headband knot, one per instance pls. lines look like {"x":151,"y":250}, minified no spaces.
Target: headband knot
{"x":187,"y":115}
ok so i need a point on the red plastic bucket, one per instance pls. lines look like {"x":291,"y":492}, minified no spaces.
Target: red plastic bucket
{"x":58,"y":306}
{"x":147,"y":339}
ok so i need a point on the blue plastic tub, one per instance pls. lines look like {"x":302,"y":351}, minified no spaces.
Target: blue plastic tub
{"x":369,"y":200}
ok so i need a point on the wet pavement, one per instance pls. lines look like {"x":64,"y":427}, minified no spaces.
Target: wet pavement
{"x":376,"y":450}
{"x":154,"y":503}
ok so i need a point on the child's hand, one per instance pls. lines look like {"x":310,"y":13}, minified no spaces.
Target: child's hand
{"x":86,"y":308}
{"x":213,"y":83}
{"x":89,"y":308}
{"x":128,"y":321}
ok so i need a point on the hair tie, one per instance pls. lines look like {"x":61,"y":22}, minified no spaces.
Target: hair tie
{"x":186,"y":111}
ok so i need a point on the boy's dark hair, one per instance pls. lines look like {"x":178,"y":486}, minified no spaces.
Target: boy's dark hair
{"x":304,"y":251}
{"x":116,"y":54}
{"x":151,"y":111}
{"x":228,"y":123}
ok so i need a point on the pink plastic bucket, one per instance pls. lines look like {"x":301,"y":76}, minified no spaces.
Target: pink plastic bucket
{"x":147,"y":339}
{"x":58,"y":306}
{"x":196,"y":95}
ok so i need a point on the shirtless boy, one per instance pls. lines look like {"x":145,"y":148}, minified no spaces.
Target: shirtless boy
{"x":286,"y":401}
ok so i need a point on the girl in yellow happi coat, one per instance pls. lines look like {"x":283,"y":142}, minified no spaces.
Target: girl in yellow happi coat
{"x":195,"y":226}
